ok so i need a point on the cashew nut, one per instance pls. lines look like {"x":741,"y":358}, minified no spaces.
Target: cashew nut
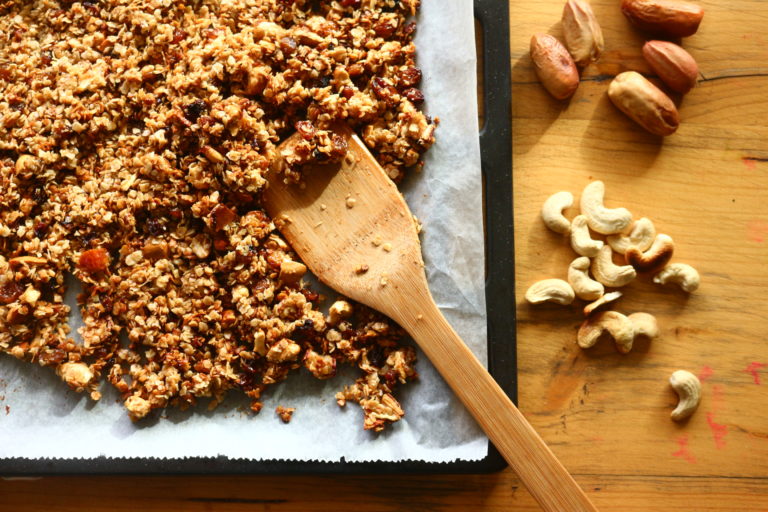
{"x":619,"y":326}
{"x":585,"y":287}
{"x":609,"y":273}
{"x":552,"y":212}
{"x":603,"y":220}
{"x":605,"y":299}
{"x":656,"y":257}
{"x":688,"y":388}
{"x":550,"y":290}
{"x":581,"y":241}
{"x":680,"y":273}
{"x":645,"y":325}
{"x":642,"y":235}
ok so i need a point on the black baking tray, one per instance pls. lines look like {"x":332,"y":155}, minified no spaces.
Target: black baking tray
{"x":496,"y":156}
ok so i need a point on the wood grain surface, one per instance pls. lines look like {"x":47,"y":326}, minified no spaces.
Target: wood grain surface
{"x":605,"y":415}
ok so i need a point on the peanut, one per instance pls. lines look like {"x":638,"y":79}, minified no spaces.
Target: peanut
{"x":674,"y":18}
{"x":642,"y":101}
{"x":583,"y":35}
{"x":674,"y":65}
{"x":554,"y":66}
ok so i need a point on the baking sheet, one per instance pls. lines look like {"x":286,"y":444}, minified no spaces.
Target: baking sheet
{"x":45,"y":419}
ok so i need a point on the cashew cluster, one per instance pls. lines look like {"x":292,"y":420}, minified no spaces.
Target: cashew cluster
{"x":613,"y":261}
{"x":624,"y":329}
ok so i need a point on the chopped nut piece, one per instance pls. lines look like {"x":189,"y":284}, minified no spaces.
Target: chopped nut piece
{"x":284,"y":350}
{"x":30,"y":296}
{"x":292,"y":271}
{"x":213,"y":155}
{"x":340,"y":310}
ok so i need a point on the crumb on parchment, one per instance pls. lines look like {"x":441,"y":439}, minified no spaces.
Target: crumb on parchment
{"x":285,"y":413}
{"x":134,"y":140}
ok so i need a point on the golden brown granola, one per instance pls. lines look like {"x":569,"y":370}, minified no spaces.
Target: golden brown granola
{"x":134,"y":139}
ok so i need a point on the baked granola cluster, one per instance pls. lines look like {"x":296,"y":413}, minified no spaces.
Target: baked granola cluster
{"x":134,"y":140}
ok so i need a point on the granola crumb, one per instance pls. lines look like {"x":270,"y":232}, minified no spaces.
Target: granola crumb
{"x":387,"y":247}
{"x":285,"y":413}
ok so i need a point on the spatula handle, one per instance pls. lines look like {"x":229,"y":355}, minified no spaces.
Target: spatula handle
{"x":543,"y":475}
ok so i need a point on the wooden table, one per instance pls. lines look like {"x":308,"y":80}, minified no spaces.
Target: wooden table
{"x":605,"y":415}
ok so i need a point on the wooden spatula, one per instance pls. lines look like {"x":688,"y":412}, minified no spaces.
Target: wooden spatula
{"x":354,"y":231}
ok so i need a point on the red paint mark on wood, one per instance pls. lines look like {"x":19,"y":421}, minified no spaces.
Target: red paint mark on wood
{"x":753,"y":369}
{"x":683,"y":452}
{"x":719,"y":431}
{"x":750,"y":163}
{"x":757,"y":230}
{"x":705,"y":373}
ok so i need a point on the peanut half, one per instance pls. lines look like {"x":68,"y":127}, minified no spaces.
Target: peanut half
{"x":642,"y":101}
{"x":674,"y":65}
{"x":674,"y":18}
{"x":583,"y":35}
{"x":554,"y":66}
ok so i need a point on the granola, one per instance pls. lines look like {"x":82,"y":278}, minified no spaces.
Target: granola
{"x":134,"y":140}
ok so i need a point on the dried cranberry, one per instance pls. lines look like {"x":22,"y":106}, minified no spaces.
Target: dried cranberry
{"x":46,"y":57}
{"x":91,"y":7}
{"x":303,"y":331}
{"x":39,"y":195}
{"x":355,"y":69}
{"x":306,"y":129}
{"x":409,"y":29}
{"x":409,"y":77}
{"x":52,"y":357}
{"x":288,"y":45}
{"x":41,"y":228}
{"x":9,"y":292}
{"x":94,"y":260}
{"x":376,"y":356}
{"x":338,"y":147}
{"x":220,"y":243}
{"x":385,"y":28}
{"x":310,"y":295}
{"x":383,"y":90}
{"x":347,"y":92}
{"x":195,"y":109}
{"x":351,"y":3}
{"x":156,"y":226}
{"x":414,"y":95}
{"x":178,"y":36}
{"x":107,"y":302}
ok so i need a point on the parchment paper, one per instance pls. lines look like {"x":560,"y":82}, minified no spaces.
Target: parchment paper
{"x":41,"y":417}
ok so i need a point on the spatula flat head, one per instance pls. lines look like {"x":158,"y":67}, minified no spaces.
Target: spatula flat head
{"x":350,"y":225}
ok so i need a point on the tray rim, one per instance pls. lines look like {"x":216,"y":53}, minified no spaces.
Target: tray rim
{"x":496,"y":165}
